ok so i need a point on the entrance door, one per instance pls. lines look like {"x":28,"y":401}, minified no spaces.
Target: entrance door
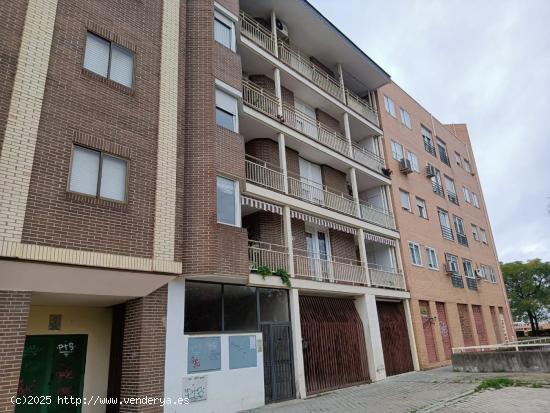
{"x":312,"y":182}
{"x":53,"y":365}
{"x":318,"y":250}
{"x":278,"y":367}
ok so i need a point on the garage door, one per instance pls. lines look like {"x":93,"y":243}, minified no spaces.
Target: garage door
{"x":333,"y":343}
{"x":395,"y":338}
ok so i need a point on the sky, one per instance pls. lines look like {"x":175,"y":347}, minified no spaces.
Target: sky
{"x":481,"y":62}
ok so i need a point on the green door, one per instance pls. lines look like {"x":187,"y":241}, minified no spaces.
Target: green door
{"x":53,"y":365}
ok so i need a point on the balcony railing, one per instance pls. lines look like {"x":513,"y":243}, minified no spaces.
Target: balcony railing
{"x":462,"y":239}
{"x":271,"y":256}
{"x":456,"y":280}
{"x":376,"y":215}
{"x":386,"y":277}
{"x":321,"y":195}
{"x":471,"y":283}
{"x":361,"y":106}
{"x":328,"y":269}
{"x":264,"y":174}
{"x":443,"y":156}
{"x":437,"y":188}
{"x":447,"y":233}
{"x":314,"y":129}
{"x":256,"y":32}
{"x":452,"y":197}
{"x":429,"y":147}
{"x":367,"y":158}
{"x":308,"y":69}
{"x":261,"y":99}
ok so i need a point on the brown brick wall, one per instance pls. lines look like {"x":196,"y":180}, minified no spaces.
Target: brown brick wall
{"x":14,"y":312}
{"x":264,"y":149}
{"x":292,"y":162}
{"x":232,"y":257}
{"x":343,"y":245}
{"x":231,"y":5}
{"x":230,"y":152}
{"x":227,"y":66}
{"x":298,"y":228}
{"x":12,"y":20}
{"x":144,"y":350}
{"x":265,"y":226}
{"x":335,"y":180}
{"x":77,"y":103}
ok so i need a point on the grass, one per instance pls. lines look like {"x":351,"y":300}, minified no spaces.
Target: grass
{"x":502,"y":382}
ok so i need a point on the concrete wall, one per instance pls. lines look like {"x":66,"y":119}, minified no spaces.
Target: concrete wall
{"x":503,"y":361}
{"x":96,"y":323}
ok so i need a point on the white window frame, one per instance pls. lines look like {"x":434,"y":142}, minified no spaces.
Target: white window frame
{"x":466,"y":193}
{"x":475,"y":200}
{"x":469,"y":274}
{"x":427,"y":136}
{"x":483,"y":236}
{"x":236,"y":188}
{"x":234,"y":110}
{"x":459,"y":225}
{"x":390,"y":106}
{"x":452,"y":259}
{"x":432,"y":264}
{"x":224,"y":19}
{"x":414,"y":163}
{"x":405,"y":118}
{"x":467,"y":166}
{"x":424,"y":207}
{"x":395,"y":145}
{"x":475,"y":233}
{"x":492,"y":274}
{"x":408,"y":195}
{"x":416,"y":248}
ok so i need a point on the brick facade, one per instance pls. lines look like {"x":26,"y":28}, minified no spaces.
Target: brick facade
{"x":14,"y":312}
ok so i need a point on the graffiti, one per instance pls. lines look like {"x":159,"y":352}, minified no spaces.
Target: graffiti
{"x":195,"y":362}
{"x":66,"y":348}
{"x":195,"y":388}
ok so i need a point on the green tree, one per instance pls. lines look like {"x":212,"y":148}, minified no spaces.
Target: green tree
{"x":528,"y":287}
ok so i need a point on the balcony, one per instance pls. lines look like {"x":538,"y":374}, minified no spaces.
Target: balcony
{"x":386,"y":277}
{"x":270,"y":176}
{"x":329,"y":269}
{"x":267,"y":256}
{"x":268,"y":104}
{"x":301,"y":63}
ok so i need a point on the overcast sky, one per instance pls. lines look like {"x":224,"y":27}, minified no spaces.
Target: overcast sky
{"x":484,"y":63}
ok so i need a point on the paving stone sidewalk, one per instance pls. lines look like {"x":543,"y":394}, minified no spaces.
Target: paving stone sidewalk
{"x":435,"y":390}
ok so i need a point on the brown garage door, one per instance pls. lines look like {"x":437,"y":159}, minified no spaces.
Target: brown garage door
{"x":395,"y":338}
{"x":334,"y":345}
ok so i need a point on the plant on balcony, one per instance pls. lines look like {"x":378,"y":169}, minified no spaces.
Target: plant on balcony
{"x":285,"y":278}
{"x":264,"y":271}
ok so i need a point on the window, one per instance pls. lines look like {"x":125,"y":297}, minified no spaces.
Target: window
{"x":475,"y":200}
{"x":442,"y":149}
{"x":452,"y":267}
{"x":414,"y":251}
{"x":414,"y":161}
{"x":451,"y":191}
{"x":405,"y":118}
{"x":109,"y":60}
{"x":492,"y":275}
{"x":226,"y":111}
{"x":224,"y":30}
{"x":469,"y":272}
{"x":436,"y":183}
{"x":397,"y":151}
{"x":460,"y":232}
{"x":390,"y":107}
{"x":466,"y":195}
{"x":432,"y":258}
{"x":483,"y":235}
{"x":421,"y":207}
{"x":474,"y":232}
{"x":213,"y":307}
{"x":467,"y":166}
{"x":97,"y":174}
{"x":458,"y":159}
{"x":446,"y":230}
{"x":405,"y":200}
{"x":227,"y":197}
{"x":428,"y":140}
{"x":488,"y":273}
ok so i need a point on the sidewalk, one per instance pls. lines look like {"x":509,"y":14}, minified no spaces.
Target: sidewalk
{"x":427,"y":391}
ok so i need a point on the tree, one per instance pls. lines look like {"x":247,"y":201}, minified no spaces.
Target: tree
{"x":528,"y":286}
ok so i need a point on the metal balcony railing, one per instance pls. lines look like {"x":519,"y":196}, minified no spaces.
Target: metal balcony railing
{"x":362,"y":107}
{"x":328,"y":268}
{"x":272,"y":256}
{"x":471,"y":283}
{"x":386,"y":277}
{"x":264,"y":174}
{"x":319,"y":194}
{"x":452,"y":197}
{"x":457,"y":281}
{"x":429,"y":147}
{"x":437,"y":188}
{"x":443,"y":156}
{"x":367,"y":158}
{"x":256,"y":32}
{"x":303,"y":65}
{"x":260,"y":99}
{"x":462,"y":239}
{"x":376,"y":215}
{"x":447,"y":233}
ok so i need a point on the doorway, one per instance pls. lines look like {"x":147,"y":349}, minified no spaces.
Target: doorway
{"x":53,"y":365}
{"x":318,"y":250}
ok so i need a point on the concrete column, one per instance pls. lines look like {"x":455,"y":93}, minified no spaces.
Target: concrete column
{"x":299,"y":373}
{"x":366,"y":307}
{"x":282,"y":159}
{"x":274,"y":31}
{"x":278,"y":93}
{"x":363,"y":253}
{"x":340,"y":70}
{"x":410,"y":331}
{"x":347,"y":133}
{"x":287,"y":230}
{"x":355,"y":191}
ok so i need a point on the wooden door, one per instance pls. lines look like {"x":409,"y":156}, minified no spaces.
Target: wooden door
{"x":395,"y":338}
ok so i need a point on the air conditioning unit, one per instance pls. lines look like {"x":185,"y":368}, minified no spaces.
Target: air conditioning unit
{"x":282,"y":28}
{"x":448,"y":269}
{"x":479,"y":273}
{"x":405,"y":166}
{"x":430,"y":171}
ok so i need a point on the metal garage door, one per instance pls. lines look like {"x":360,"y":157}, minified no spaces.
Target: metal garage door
{"x":395,"y":338}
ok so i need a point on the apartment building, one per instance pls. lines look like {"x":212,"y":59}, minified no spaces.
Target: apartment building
{"x":458,"y":296}
{"x":196,"y":202}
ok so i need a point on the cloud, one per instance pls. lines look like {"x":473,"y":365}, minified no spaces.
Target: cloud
{"x":486,"y":64}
